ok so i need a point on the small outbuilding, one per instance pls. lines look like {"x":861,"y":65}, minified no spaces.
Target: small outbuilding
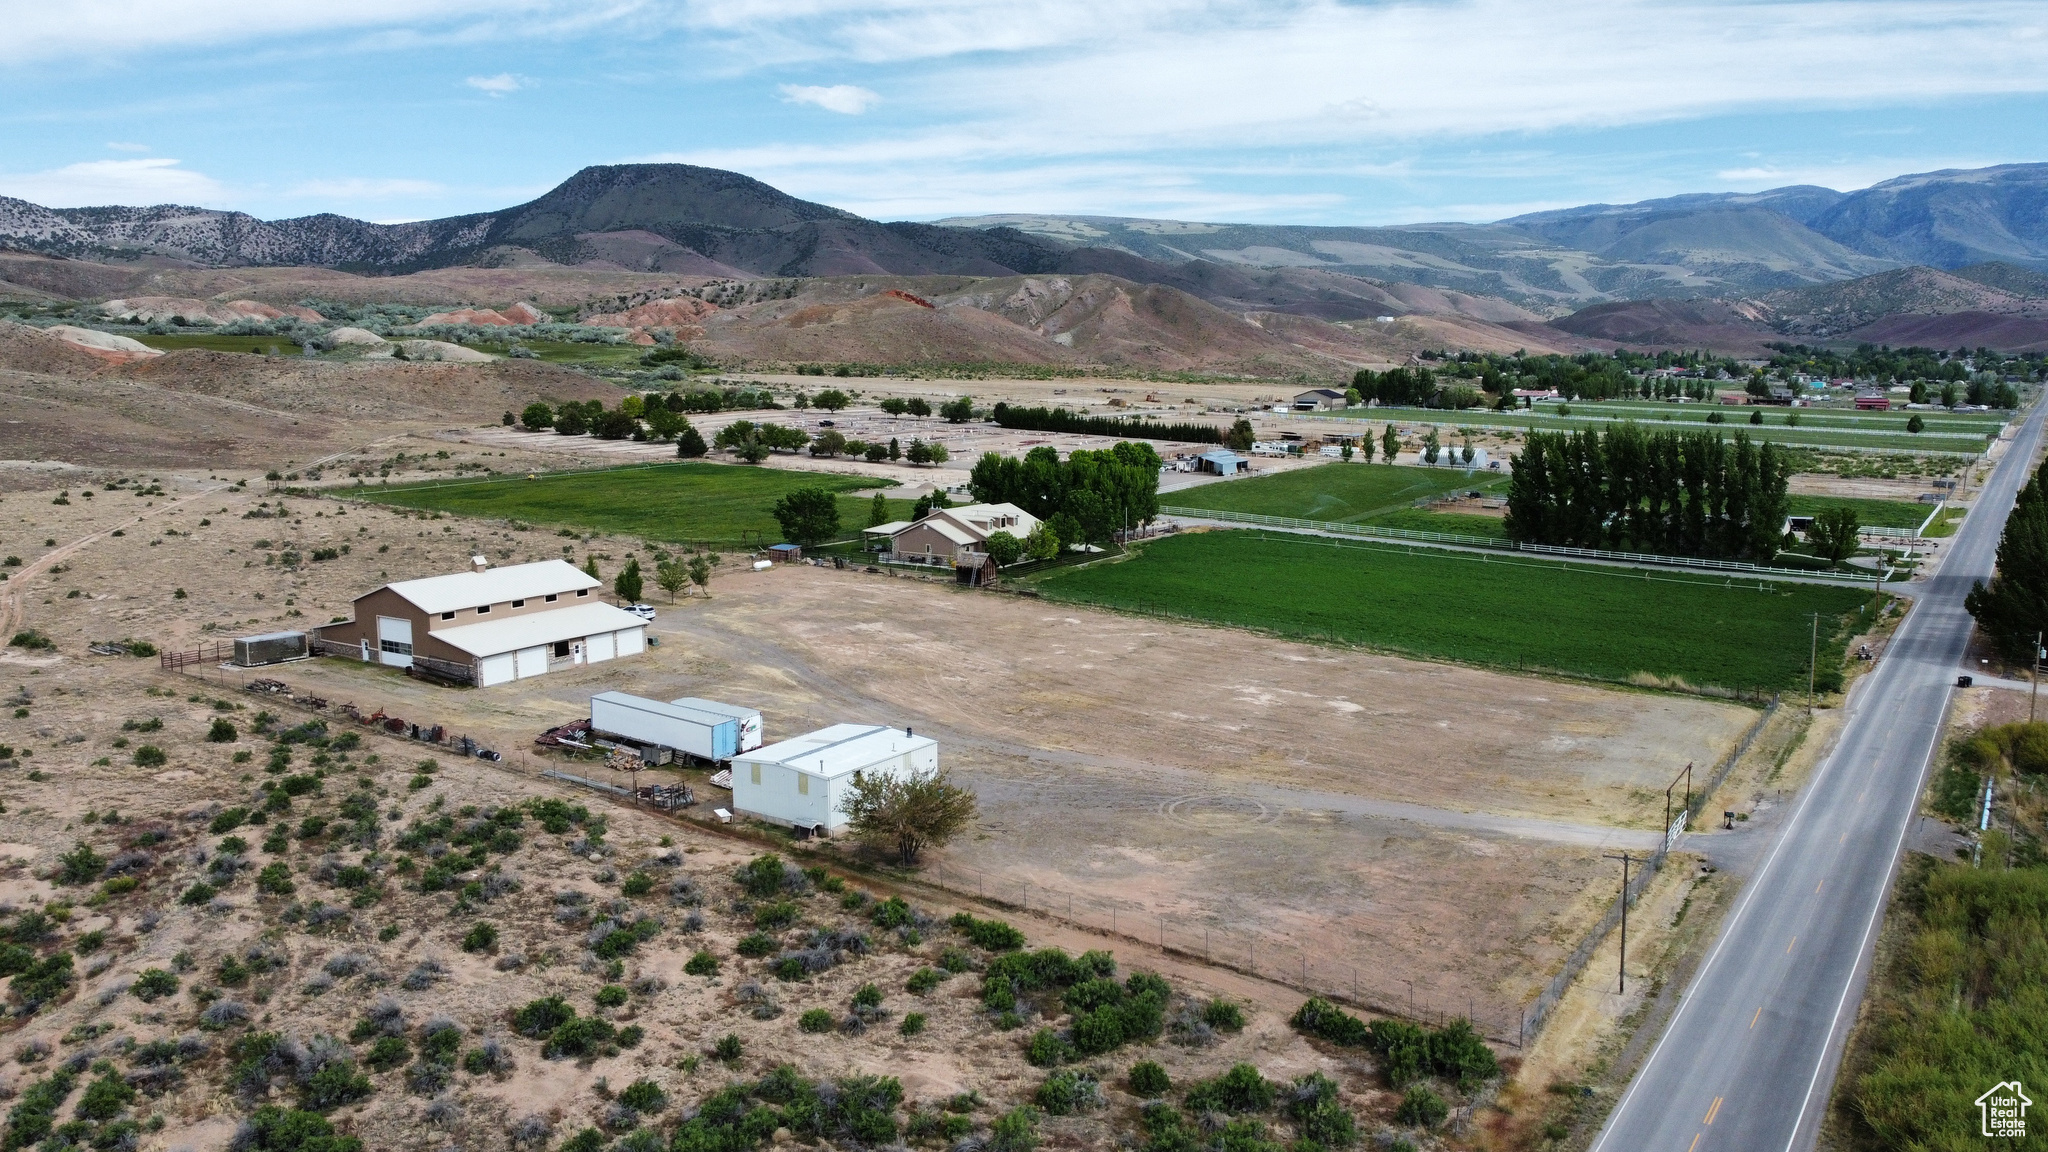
{"x":802,"y":782}
{"x":1319,"y":400}
{"x":1222,"y":462}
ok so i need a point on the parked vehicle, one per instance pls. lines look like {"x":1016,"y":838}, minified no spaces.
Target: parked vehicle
{"x":643,"y":611}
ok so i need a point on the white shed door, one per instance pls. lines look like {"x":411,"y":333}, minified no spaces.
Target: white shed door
{"x":632,"y":641}
{"x":532,"y":662}
{"x":394,"y":641}
{"x":599,"y":647}
{"x":499,"y":669}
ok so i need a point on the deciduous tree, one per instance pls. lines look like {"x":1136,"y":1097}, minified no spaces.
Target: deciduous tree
{"x":907,"y":814}
{"x":809,"y":516}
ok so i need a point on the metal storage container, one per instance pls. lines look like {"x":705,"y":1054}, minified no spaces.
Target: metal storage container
{"x":269,"y":648}
{"x":652,"y":723}
{"x":749,"y":718}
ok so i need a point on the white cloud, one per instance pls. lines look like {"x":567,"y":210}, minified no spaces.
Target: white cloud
{"x":97,"y":182}
{"x":498,"y":85}
{"x":361,"y":188}
{"x":846,"y":99}
{"x":125,"y":146}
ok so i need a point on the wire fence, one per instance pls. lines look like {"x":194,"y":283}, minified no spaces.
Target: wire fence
{"x":1311,"y":969}
{"x":1539,"y":1010}
{"x":1497,"y":544}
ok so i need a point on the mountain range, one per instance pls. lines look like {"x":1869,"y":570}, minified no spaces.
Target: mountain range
{"x":1726,"y":270}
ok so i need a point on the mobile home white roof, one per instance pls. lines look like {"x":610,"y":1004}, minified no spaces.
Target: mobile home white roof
{"x":536,"y":628}
{"x":840,"y":750}
{"x":493,"y":585}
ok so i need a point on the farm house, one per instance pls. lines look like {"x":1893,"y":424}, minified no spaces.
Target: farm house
{"x":802,"y":782}
{"x":487,"y":625}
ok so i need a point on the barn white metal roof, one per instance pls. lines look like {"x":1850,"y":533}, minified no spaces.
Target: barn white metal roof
{"x":459,"y":590}
{"x":839,"y":750}
{"x":556,"y":624}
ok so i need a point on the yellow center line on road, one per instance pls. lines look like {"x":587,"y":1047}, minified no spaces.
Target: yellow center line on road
{"x":1816,"y":888}
{"x":1712,"y":1111}
{"x":1844,"y":839}
{"x":1759,"y":1015}
{"x":1788,"y":947}
{"x":1695,"y":1141}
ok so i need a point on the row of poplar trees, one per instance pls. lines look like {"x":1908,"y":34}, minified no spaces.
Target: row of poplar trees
{"x":1634,"y":490}
{"x":2013,"y":608}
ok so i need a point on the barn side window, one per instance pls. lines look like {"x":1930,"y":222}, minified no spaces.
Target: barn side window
{"x":519,"y":603}
{"x":583,"y":591}
{"x":447,"y":615}
{"x":803,"y":784}
{"x":552,"y":597}
{"x":483,"y":610}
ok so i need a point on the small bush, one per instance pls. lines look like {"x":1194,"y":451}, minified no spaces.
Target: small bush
{"x":387,"y":1053}
{"x":481,"y":938}
{"x":756,"y":945}
{"x":1068,"y":1091}
{"x":1223,"y":1015}
{"x":815,"y":1020}
{"x":701,"y":964}
{"x":923,"y":980}
{"x":1241,"y":1089}
{"x":867,"y":996}
{"x":578,"y":1037}
{"x":776,"y":915}
{"x":644,"y":1096}
{"x":150,"y":756}
{"x":993,"y":935}
{"x":637,"y":884}
{"x":1014,"y":1131}
{"x":956,"y":960}
{"x":1149,"y":1080}
{"x":611,"y":996}
{"x":1421,"y":1108}
{"x":538,"y":1018}
{"x":728,"y":1048}
{"x":892,"y":913}
{"x":198,"y":894}
{"x":222,"y":732}
{"x":227,"y":821}
{"x":1047,"y":1050}
{"x":913,"y":1023}
{"x":81,"y":865}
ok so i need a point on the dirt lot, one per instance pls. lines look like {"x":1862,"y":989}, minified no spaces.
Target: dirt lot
{"x":1440,"y":825}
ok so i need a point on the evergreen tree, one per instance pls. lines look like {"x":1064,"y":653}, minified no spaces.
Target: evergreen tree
{"x":2013,"y":608}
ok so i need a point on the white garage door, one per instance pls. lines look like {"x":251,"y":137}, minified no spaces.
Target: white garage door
{"x":499,"y":669}
{"x":394,"y":641}
{"x":599,"y":647}
{"x":632,"y":641}
{"x":532,"y":662}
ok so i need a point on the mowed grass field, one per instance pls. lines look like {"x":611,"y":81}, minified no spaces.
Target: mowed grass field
{"x":1869,"y":513}
{"x":1334,"y":491}
{"x":1508,"y":612}
{"x":685,"y":502}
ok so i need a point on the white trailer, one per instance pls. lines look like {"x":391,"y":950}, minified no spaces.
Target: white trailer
{"x":802,"y":782}
{"x":653,"y":724}
{"x":749,"y":718}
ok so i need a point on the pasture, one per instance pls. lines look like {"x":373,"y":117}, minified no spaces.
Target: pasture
{"x":1511,"y":612}
{"x":1869,"y":513}
{"x":263,"y":345}
{"x":1348,"y":493}
{"x":1874,"y":431}
{"x":684,"y":502}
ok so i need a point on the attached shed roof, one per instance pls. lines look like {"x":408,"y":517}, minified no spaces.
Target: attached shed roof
{"x":493,"y":585}
{"x":1222,"y":456}
{"x":839,"y":750}
{"x":889,"y":529}
{"x":550,"y":627}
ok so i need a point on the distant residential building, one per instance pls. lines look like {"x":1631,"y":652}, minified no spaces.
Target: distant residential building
{"x":1869,"y":402}
{"x":1223,"y":462}
{"x":1319,"y":400}
{"x":949,"y":534}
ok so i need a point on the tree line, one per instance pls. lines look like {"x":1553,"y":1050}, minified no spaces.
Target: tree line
{"x":1067,"y":420}
{"x":1087,"y":498}
{"x":1632,"y":490}
{"x":2013,"y":608}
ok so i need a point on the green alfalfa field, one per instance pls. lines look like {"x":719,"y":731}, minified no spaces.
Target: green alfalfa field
{"x":1647,"y":626}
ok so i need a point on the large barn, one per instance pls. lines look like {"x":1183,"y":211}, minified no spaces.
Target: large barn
{"x":489,"y":625}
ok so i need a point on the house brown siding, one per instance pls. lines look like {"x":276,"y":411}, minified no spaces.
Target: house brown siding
{"x":385,"y":602}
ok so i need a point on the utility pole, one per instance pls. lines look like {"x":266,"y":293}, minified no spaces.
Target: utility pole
{"x":1621,"y":976}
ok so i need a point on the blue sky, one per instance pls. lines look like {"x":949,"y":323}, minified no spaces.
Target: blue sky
{"x":1276,"y":112}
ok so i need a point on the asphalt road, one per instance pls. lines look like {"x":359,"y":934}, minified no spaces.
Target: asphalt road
{"x":1749,"y":1058}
